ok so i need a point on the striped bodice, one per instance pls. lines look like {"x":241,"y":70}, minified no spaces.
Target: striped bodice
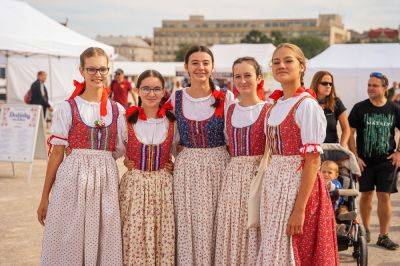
{"x":246,"y":141}
{"x":82,"y":136}
{"x":285,"y":138}
{"x":208,"y":133}
{"x":149,"y":157}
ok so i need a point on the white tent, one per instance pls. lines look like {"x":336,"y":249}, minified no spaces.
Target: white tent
{"x":167,"y":69}
{"x":226,"y":54}
{"x":351,"y":64}
{"x":31,"y":41}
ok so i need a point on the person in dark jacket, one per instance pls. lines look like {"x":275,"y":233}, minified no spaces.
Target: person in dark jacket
{"x":39,"y":92}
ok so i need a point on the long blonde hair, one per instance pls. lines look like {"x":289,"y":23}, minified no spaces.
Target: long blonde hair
{"x":298,"y":54}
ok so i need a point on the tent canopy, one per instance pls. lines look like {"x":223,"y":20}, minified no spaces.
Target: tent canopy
{"x":346,"y":56}
{"x":25,"y":30}
{"x":167,"y":69}
{"x":32,"y":42}
{"x":351,"y":65}
{"x":226,"y":54}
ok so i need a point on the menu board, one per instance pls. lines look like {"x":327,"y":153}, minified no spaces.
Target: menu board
{"x":22,"y":137}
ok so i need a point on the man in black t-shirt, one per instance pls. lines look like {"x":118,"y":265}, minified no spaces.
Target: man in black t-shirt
{"x":374,"y":120}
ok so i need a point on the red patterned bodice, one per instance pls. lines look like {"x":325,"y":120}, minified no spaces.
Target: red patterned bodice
{"x":149,"y":157}
{"x":246,"y":141}
{"x":285,"y":138}
{"x":82,"y":136}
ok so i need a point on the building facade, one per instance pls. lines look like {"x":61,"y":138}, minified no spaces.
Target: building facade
{"x":130,"y":48}
{"x":197,"y":30}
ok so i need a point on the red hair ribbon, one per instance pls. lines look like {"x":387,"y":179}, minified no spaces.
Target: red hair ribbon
{"x":279,"y":93}
{"x":80,"y":86}
{"x":235,"y":92}
{"x":164,"y":108}
{"x":131,"y":110}
{"x":51,"y":145}
{"x":220,"y":96}
{"x":260,"y":90}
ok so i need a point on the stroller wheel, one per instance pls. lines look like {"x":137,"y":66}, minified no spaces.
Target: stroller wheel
{"x":360,"y":247}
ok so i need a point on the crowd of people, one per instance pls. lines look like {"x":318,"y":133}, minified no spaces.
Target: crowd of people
{"x":213,"y":177}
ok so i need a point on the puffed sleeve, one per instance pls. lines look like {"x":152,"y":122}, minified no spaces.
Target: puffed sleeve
{"x":121,"y":133}
{"x":61,"y":124}
{"x":312,"y":122}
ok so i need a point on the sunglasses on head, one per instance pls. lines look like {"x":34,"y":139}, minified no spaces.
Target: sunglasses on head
{"x":326,"y":83}
{"x":378,"y":75}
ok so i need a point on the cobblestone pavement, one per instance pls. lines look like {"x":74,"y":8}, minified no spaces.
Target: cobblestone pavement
{"x":21,"y":234}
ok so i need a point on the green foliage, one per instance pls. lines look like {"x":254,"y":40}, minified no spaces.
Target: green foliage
{"x":256,"y":36}
{"x":311,"y":45}
{"x":277,"y":37}
{"x":180,"y":53}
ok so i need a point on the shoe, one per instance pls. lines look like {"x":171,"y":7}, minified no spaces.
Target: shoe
{"x":386,"y":242}
{"x":368,"y":235}
{"x":348,"y":216}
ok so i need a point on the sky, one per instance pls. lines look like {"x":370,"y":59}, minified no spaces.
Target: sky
{"x":139,"y":17}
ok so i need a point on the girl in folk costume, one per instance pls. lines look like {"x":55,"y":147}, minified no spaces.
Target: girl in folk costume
{"x":297,"y":220}
{"x":145,"y":191}
{"x":199,"y":111}
{"x":244,"y":122}
{"x":81,"y":217}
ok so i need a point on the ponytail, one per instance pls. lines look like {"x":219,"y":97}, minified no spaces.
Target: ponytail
{"x":133,"y":118}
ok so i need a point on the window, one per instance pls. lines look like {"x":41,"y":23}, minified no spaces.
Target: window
{"x":2,"y":73}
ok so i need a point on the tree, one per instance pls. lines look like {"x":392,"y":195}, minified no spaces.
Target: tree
{"x":255,"y":36}
{"x":310,"y":44}
{"x":277,"y":37}
{"x":180,"y":53}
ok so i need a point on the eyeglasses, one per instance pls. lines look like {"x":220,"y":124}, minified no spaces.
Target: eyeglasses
{"x":326,"y":83}
{"x":156,"y":90}
{"x":102,"y":70}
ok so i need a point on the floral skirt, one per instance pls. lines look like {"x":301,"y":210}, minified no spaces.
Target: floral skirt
{"x":235,"y":244}
{"x":317,"y":245}
{"x":83,"y":225}
{"x":147,"y":215}
{"x":197,"y":183}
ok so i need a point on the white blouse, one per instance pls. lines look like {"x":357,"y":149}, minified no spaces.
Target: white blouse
{"x":199,"y":109}
{"x":309,"y":116}
{"x":244,"y":116}
{"x":152,"y":131}
{"x":89,"y":112}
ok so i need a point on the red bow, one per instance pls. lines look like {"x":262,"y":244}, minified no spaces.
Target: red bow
{"x":131,"y":110}
{"x":279,"y":93}
{"x":79,"y":87}
{"x":220,"y":96}
{"x":164,"y":108}
{"x":260,"y":91}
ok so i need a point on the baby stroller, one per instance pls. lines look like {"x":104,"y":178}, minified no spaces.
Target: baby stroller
{"x":354,"y":235}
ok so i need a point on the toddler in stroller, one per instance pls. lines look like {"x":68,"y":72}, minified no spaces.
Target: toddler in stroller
{"x":342,"y":167}
{"x":330,"y":173}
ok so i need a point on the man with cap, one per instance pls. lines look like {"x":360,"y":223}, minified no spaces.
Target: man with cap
{"x":120,"y":87}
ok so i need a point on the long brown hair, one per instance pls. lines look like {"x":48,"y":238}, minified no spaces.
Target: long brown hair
{"x":298,"y":54}
{"x":314,"y":86}
{"x":204,"y":49}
